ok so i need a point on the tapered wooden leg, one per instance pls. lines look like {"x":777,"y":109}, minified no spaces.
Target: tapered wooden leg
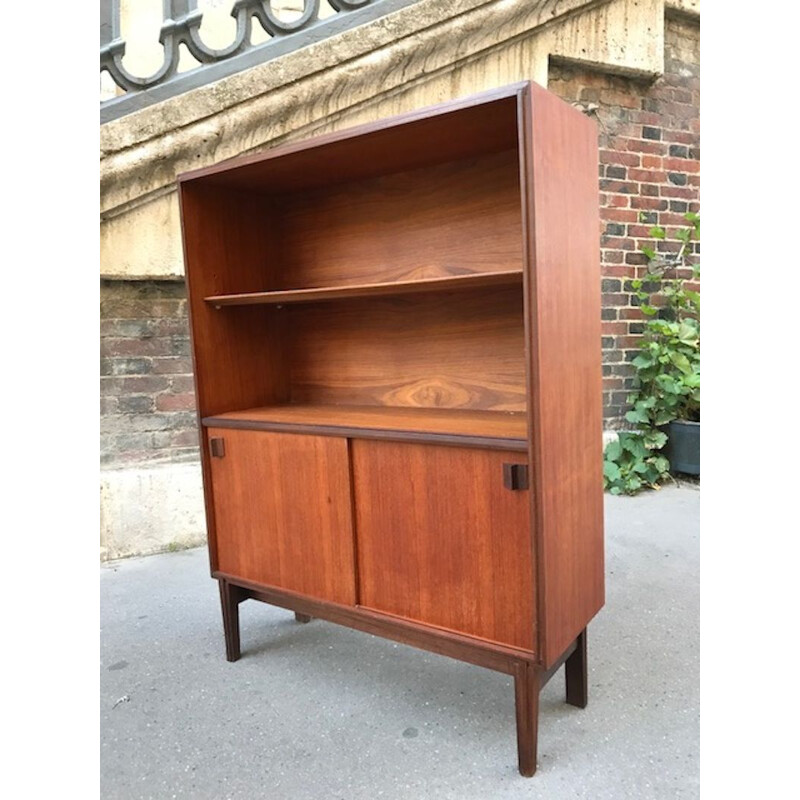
{"x":576,"y":672}
{"x":304,"y":618}
{"x":231,"y":597}
{"x":526,"y":691}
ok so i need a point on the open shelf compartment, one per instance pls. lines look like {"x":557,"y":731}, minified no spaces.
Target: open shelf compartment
{"x":375,"y":283}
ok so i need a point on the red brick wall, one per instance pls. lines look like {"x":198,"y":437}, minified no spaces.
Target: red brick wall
{"x":649,"y":165}
{"x":146,"y":392}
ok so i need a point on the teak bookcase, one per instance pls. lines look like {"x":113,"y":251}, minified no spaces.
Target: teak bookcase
{"x":396,"y":341}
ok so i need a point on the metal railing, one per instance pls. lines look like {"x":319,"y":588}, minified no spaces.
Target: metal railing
{"x":181,"y":24}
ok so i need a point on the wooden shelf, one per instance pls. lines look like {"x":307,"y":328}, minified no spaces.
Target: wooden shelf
{"x":491,"y":429}
{"x":475,"y":280}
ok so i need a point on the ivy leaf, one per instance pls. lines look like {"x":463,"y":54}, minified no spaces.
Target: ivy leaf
{"x":635,"y":447}
{"x":611,"y":471}
{"x":655,"y":440}
{"x":663,"y":416}
{"x":649,"y":310}
{"x":661,"y":463}
{"x":693,"y":296}
{"x":693,"y":380}
{"x":657,"y":232}
{"x":613,"y":450}
{"x":636,"y":416}
{"x":687,"y":332}
{"x":681,"y":362}
{"x":667,"y":383}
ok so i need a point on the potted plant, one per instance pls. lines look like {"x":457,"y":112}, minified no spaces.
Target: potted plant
{"x":666,"y":396}
{"x":668,"y":366}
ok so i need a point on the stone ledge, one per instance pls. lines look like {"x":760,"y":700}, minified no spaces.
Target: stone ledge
{"x":151,"y":509}
{"x":300,"y":64}
{"x":143,"y":153}
{"x":689,"y":9}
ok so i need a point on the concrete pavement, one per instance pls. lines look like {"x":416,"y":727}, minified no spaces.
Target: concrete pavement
{"x":319,"y":712}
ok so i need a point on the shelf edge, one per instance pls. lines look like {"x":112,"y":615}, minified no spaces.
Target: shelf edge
{"x":388,"y":288}
{"x":353,"y":432}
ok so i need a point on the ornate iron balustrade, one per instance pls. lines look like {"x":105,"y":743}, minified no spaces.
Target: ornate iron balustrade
{"x":181,"y":25}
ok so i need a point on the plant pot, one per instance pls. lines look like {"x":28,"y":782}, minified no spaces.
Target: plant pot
{"x":683,"y":446}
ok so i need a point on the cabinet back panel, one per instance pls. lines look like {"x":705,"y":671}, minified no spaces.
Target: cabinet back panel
{"x":443,"y":350}
{"x":448,"y":219}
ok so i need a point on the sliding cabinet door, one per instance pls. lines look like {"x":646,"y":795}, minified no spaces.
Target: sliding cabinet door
{"x":282,"y":510}
{"x":442,"y":541}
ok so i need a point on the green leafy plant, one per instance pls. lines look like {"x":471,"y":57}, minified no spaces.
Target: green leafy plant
{"x":633,"y":462}
{"x":667,"y":368}
{"x":667,"y":381}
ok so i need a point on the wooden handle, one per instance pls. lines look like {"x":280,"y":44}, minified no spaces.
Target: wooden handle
{"x":515,"y":476}
{"x":217,"y":447}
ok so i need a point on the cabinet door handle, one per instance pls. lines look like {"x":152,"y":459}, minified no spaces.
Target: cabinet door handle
{"x":515,"y":476}
{"x":217,"y":447}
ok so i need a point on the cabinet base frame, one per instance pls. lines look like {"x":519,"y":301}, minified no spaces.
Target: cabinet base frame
{"x":529,"y":676}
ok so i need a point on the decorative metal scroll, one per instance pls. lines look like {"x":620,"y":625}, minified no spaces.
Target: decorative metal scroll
{"x":181,"y":26}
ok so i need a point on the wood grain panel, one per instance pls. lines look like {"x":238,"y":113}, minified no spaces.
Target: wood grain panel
{"x":463,"y":350}
{"x":441,"y":541}
{"x":283,"y":512}
{"x":448,"y":219}
{"x":562,"y":219}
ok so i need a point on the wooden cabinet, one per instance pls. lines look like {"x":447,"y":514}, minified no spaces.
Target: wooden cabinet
{"x":396,"y":340}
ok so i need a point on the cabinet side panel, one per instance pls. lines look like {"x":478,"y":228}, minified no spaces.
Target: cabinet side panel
{"x":283,"y":512}
{"x":563,"y":216}
{"x":230,"y":245}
